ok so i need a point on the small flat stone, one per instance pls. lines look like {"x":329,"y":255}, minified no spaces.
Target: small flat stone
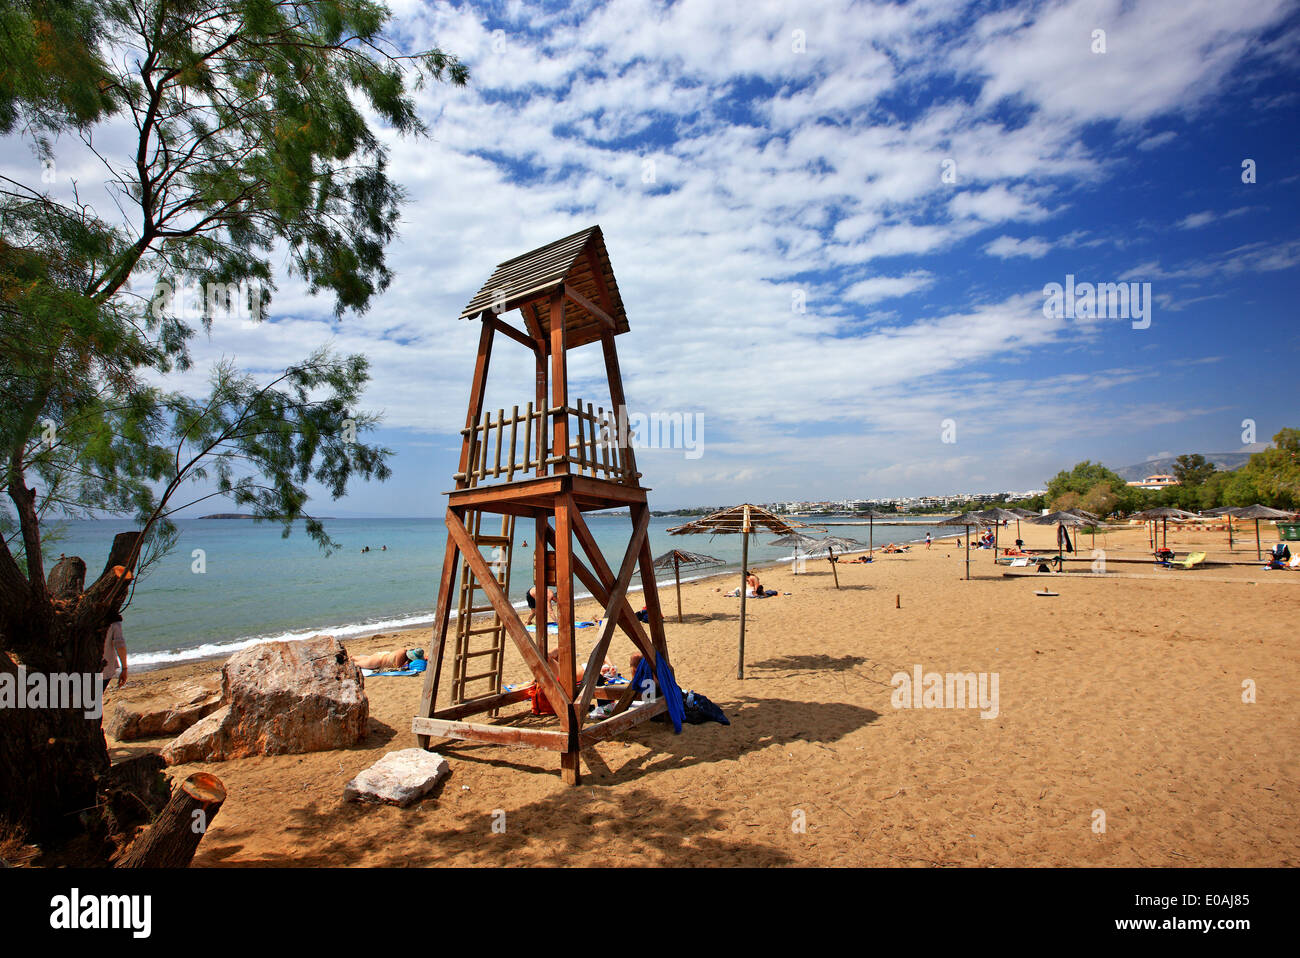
{"x":399,"y":778}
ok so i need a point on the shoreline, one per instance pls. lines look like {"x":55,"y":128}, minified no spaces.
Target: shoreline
{"x":225,"y":648}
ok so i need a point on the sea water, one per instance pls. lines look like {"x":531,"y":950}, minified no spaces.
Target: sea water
{"x":231,"y":583}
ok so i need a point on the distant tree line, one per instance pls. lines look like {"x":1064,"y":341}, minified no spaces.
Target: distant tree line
{"x":1270,"y":477}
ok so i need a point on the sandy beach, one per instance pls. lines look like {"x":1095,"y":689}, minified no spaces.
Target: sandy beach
{"x":1122,"y":696}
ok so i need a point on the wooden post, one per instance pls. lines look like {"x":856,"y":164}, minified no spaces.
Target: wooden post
{"x":568,"y":665}
{"x":967,"y":529}
{"x":744,"y":587}
{"x":677,"y":575}
{"x":559,"y":384}
{"x":835,"y":571}
{"x":438,"y":641}
{"x":174,"y":836}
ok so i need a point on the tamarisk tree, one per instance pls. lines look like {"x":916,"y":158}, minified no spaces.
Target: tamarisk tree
{"x":233,"y":135}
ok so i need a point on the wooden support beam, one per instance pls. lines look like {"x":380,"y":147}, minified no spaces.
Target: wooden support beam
{"x":438,"y":641}
{"x":651,"y":591}
{"x":487,"y":703}
{"x":611,"y":726}
{"x":599,"y":579}
{"x":591,"y":307}
{"x":518,"y":335}
{"x":477,"y":388}
{"x":537,"y":663}
{"x":610,"y":619}
{"x":493,"y":734}
{"x":559,"y":383}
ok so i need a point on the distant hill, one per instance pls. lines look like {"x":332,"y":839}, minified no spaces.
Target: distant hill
{"x":227,"y":515}
{"x":1223,"y":461}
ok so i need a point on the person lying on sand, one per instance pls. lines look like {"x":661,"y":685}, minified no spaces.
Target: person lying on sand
{"x":388,"y":661}
{"x":858,"y":559}
{"x":894,"y":547}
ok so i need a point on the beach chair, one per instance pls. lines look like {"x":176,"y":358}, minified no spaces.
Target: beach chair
{"x":1191,"y":562}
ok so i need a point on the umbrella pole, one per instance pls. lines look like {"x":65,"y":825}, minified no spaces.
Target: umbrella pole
{"x":967,"y":529}
{"x":835,"y":572}
{"x":1229,"y":533}
{"x":1259,"y":554}
{"x":744,"y":567}
{"x":677,"y":574}
{"x":871,"y":533}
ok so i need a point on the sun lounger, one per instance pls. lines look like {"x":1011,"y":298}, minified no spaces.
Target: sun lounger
{"x":1191,"y":562}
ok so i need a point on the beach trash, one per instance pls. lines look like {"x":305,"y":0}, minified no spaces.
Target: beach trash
{"x":399,"y":778}
{"x":280,"y":698}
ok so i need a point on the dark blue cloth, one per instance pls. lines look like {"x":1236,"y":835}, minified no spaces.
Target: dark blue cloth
{"x":665,"y":686}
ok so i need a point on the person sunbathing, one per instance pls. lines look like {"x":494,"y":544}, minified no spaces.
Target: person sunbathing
{"x":388,"y":661}
{"x":894,"y":547}
{"x":858,"y":559}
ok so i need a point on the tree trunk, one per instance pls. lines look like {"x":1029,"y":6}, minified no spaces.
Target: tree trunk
{"x":54,"y":762}
{"x":173,"y":838}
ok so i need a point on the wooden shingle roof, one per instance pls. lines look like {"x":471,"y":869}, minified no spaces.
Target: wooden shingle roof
{"x":580,"y":263}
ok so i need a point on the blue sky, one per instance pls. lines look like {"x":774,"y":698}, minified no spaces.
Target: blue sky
{"x":797,"y":152}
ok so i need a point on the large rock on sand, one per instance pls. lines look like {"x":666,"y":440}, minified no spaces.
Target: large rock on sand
{"x":170,"y":716}
{"x":280,"y":698}
{"x":399,"y":778}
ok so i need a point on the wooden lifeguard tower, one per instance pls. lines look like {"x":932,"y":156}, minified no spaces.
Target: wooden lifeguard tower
{"x":550,"y":463}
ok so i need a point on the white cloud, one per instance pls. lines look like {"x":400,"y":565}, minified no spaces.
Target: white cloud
{"x":1006,"y":247}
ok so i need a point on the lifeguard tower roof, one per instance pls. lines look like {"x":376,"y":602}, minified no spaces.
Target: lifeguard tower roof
{"x":579,"y":263}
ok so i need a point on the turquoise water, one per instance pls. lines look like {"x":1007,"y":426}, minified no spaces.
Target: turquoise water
{"x":256,"y":586}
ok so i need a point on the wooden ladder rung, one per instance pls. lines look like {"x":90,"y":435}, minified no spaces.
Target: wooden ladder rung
{"x":478,"y":652}
{"x":488,"y":630}
{"x":482,"y":540}
{"x":483,"y":675}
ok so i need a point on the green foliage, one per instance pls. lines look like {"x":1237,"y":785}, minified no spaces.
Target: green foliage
{"x":1192,"y":470}
{"x":252,"y":134}
{"x":1273,"y":474}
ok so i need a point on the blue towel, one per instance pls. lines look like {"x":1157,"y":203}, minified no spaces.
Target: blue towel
{"x":666,"y":687}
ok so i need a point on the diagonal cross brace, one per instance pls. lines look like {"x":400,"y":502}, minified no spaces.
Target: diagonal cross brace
{"x":509,"y":618}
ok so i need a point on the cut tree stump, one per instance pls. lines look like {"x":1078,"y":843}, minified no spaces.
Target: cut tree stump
{"x":174,"y":836}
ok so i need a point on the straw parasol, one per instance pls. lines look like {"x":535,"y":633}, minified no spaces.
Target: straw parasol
{"x":677,"y":560}
{"x":872,"y":515}
{"x":828,"y":545}
{"x":1021,"y":514}
{"x":1228,"y":512}
{"x":1061,"y":520}
{"x":997,"y":516}
{"x":1092,"y":520}
{"x":966,"y":519}
{"x":801,"y":543}
{"x":1164,"y":514}
{"x":1258,"y":512}
{"x":745,"y":519}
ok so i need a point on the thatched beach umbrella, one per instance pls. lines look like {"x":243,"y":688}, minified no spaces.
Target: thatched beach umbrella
{"x":1092,"y":522}
{"x":872,"y":515}
{"x":966,"y":519}
{"x":1163,"y":514}
{"x":1227,"y":512}
{"x":678,"y":560}
{"x":802,"y":544}
{"x":1062,"y":520}
{"x":1021,"y":514}
{"x":997,"y":516}
{"x":745,"y":519}
{"x":1258,"y":512}
{"x":828,"y":545}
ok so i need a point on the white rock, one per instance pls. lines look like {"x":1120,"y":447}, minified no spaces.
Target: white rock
{"x":399,"y":778}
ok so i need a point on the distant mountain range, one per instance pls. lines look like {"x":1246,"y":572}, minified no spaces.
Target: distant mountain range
{"x":1223,"y":461}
